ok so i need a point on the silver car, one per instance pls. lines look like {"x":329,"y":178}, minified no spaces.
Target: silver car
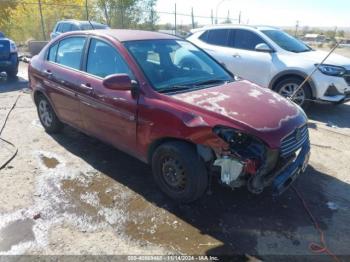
{"x":75,"y":25}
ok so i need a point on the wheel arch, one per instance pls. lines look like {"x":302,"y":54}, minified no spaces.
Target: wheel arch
{"x":40,"y":92}
{"x":205,"y":152}
{"x":292,"y":73}
{"x":37,"y":94}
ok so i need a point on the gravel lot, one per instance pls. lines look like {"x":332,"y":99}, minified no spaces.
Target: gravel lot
{"x":71,"y":194}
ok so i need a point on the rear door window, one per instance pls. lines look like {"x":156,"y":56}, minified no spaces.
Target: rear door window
{"x":204,"y":36}
{"x":69,"y":52}
{"x":218,"y":37}
{"x":244,"y":39}
{"x":103,"y":60}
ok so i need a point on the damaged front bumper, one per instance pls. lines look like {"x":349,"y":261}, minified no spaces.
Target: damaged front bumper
{"x":286,"y":171}
{"x":286,"y":176}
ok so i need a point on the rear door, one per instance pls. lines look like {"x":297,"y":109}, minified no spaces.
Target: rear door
{"x":108,"y":114}
{"x":61,"y":72}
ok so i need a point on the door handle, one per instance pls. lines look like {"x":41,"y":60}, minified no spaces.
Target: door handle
{"x":87,"y":87}
{"x":236,"y":56}
{"x":48,"y":73}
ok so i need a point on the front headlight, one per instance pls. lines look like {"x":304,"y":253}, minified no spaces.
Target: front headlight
{"x":332,"y":70}
{"x":13,"y":47}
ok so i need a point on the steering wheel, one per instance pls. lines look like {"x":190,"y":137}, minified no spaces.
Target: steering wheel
{"x":189,"y":63}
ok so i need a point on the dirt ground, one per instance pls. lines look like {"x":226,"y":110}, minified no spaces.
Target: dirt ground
{"x":71,"y":194}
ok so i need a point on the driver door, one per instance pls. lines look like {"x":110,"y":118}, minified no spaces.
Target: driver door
{"x":246,"y":62}
{"x":107,"y":114}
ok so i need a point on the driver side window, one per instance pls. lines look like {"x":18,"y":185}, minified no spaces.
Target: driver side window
{"x":245,"y":39}
{"x":104,"y":60}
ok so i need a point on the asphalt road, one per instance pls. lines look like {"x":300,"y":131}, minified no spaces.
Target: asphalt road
{"x":71,"y":194}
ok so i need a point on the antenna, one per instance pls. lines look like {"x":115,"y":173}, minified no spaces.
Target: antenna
{"x":87,"y":14}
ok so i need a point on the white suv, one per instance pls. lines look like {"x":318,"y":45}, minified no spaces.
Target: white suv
{"x":272,"y":58}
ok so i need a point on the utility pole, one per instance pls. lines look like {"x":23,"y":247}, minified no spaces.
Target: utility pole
{"x":42,"y":20}
{"x":239,"y":17}
{"x":87,"y":10}
{"x":228,"y":20}
{"x":296,"y":29}
{"x":175,"y":18}
{"x":152,"y":20}
{"x":192,"y":18}
{"x":212,"y":17}
{"x":122,"y":12}
{"x":217,"y":8}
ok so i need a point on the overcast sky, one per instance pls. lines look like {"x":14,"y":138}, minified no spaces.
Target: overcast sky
{"x":324,"y":13}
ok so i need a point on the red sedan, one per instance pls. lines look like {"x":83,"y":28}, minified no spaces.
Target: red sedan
{"x":169,"y":104}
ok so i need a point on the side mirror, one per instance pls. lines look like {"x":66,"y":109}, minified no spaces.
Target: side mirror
{"x":263,"y":48}
{"x":118,"y":82}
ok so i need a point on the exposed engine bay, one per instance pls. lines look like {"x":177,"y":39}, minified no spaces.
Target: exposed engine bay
{"x":248,"y":161}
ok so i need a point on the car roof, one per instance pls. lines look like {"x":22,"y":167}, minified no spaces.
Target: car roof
{"x":123,"y":35}
{"x":80,"y":22}
{"x":234,"y":26}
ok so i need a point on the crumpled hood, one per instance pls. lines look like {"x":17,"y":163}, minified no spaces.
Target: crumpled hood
{"x":317,"y":57}
{"x":246,"y":106}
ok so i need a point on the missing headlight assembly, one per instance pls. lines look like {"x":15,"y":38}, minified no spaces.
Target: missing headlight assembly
{"x":247,"y":162}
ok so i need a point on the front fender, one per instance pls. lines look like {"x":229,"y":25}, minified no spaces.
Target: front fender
{"x":161,"y":122}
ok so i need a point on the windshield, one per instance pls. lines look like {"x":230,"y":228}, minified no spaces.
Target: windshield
{"x":286,"y":41}
{"x":176,"y":65}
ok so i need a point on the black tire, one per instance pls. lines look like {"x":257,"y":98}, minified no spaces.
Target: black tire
{"x":296,"y":81}
{"x":52,"y":126}
{"x":191,"y":166}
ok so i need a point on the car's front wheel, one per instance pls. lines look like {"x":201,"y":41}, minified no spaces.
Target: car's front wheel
{"x":47,"y":116}
{"x":179,"y":171}
{"x":288,"y":86}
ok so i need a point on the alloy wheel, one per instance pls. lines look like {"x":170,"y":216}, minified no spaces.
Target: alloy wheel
{"x":288,"y":89}
{"x":45,"y":113}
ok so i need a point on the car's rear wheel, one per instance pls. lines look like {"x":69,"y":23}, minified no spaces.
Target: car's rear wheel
{"x":287,"y":88}
{"x":179,"y":171}
{"x":47,"y":116}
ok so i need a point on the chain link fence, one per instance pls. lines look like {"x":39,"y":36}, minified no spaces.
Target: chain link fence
{"x":35,"y":19}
